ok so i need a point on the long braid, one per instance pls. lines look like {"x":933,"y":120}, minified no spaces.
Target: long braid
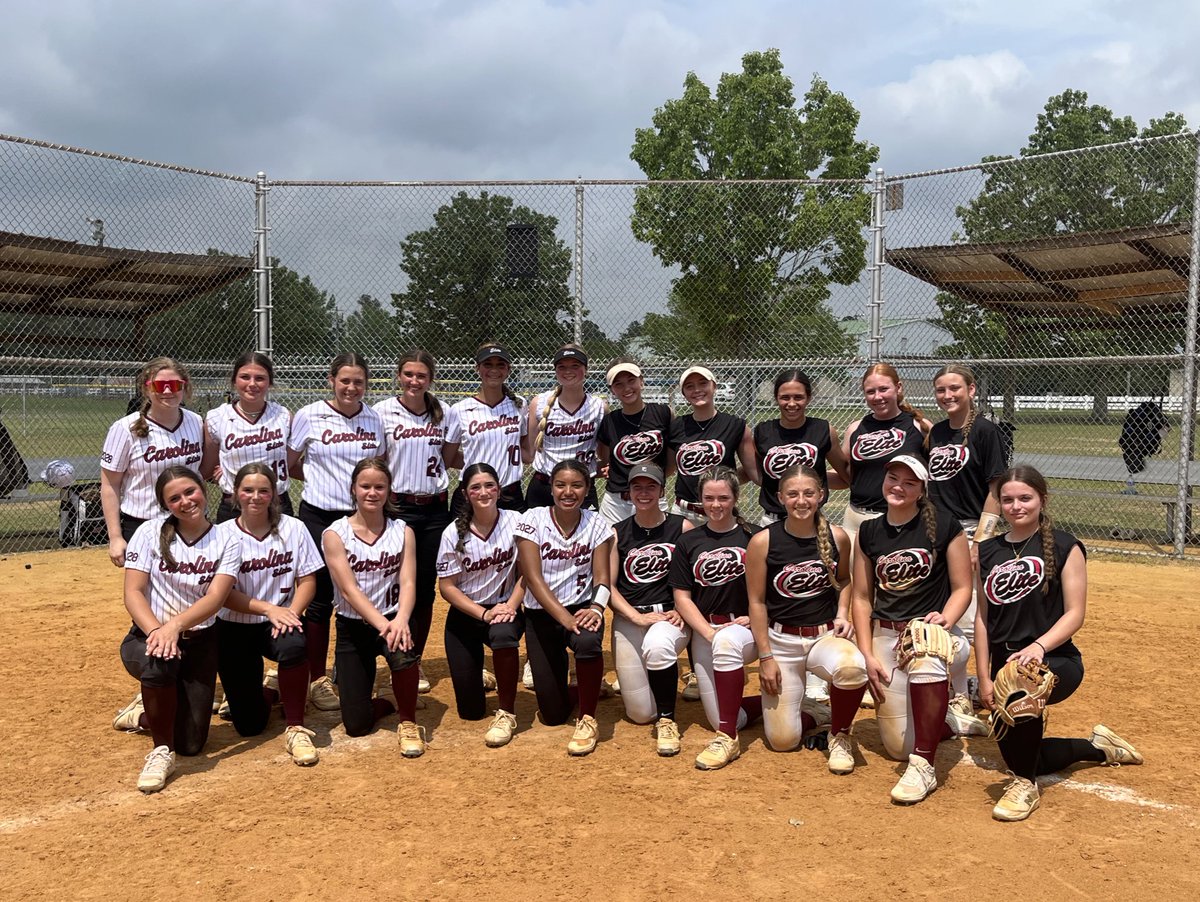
{"x":140,"y":427}
{"x":929,"y":515}
{"x":966,"y":430}
{"x":1046,"y":528}
{"x":512,"y":396}
{"x":165,"y":537}
{"x":463,"y":524}
{"x":825,"y":547}
{"x":541,"y":436}
{"x":434,"y":408}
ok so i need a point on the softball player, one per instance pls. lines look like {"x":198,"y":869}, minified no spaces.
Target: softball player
{"x":140,"y":446}
{"x":490,"y":428}
{"x":250,"y":429}
{"x":178,"y":571}
{"x":372,"y":561}
{"x":637,"y":433}
{"x":564,"y":423}
{"x":478,"y":577}
{"x":1034,"y":580}
{"x":910,"y":564}
{"x":564,"y":562}
{"x":648,"y":633}
{"x":327,"y":441}
{"x":708,"y":578}
{"x":703,"y":439}
{"x":798,"y":583}
{"x":261,"y":617}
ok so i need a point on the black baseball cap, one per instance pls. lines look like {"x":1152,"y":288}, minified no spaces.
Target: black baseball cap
{"x":493,"y":351}
{"x":649,"y":471}
{"x":570,"y":354}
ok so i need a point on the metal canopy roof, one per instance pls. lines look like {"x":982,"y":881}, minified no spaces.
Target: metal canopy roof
{"x":49,"y":276}
{"x":1136,"y":273}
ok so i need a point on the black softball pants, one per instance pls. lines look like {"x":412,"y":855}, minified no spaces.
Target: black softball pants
{"x":193,"y":674}
{"x":317,"y":520}
{"x":241,"y":649}
{"x":547,"y":642}
{"x":465,"y":639}
{"x":428,"y":522}
{"x":358,"y":645}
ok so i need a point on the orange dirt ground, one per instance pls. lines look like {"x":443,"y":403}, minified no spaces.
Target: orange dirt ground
{"x":526,"y":821}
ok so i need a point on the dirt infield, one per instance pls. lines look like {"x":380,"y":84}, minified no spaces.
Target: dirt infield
{"x":526,"y":821}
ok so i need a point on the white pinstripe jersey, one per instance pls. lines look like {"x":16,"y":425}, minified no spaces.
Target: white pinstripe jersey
{"x":332,"y":444}
{"x":376,"y":567}
{"x":271,"y":565}
{"x":143,"y":459}
{"x":174,"y":589}
{"x":569,"y":435}
{"x":566,"y":560}
{"x":241,"y":441}
{"x":486,"y":567}
{"x":491,"y":435}
{"x":414,"y":449}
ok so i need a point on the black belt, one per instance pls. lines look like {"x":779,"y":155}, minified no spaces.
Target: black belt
{"x":419,"y":498}
{"x":807,"y":632}
{"x":653,"y":608}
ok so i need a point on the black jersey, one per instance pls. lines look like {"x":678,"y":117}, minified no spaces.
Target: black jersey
{"x":798,"y":591}
{"x":959,"y":474}
{"x":910,"y":580}
{"x":712,"y":566}
{"x":644,"y":561}
{"x":699,"y":446}
{"x":634,"y":438}
{"x":1019,"y":608}
{"x":872,"y":445}
{"x":777,"y":449}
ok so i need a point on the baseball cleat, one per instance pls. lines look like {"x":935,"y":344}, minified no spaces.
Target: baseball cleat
{"x":919,"y":780}
{"x":299,"y":744}
{"x":720,"y":751}
{"x":1116,"y":750}
{"x":489,"y":680}
{"x":616,"y":686}
{"x":223,"y":710}
{"x":128,"y":719}
{"x":583,"y":740}
{"x":666,"y":735}
{"x":160,"y":764}
{"x":501,"y":731}
{"x":412,"y":739}
{"x":961,"y":719}
{"x":1021,"y":798}
{"x":527,"y":676}
{"x":322,"y":695}
{"x":271,"y":680}
{"x":841,"y":754}
{"x":423,"y":685}
{"x":691,"y":687}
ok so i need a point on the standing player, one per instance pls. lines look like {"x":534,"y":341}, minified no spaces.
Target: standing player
{"x":798,"y":581}
{"x":708,"y":576}
{"x":490,"y":428}
{"x":178,"y":571}
{"x":478,"y":577}
{"x":564,"y":562}
{"x":261,"y":618}
{"x":648,"y":633}
{"x":910,"y":565}
{"x":1034,"y":580}
{"x":564,"y":424}
{"x":637,"y":433}
{"x":327,"y":441}
{"x":705,"y":438}
{"x":373,"y":564}
{"x":140,"y":446}
{"x":250,"y":429}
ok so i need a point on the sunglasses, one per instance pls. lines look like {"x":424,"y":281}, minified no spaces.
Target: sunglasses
{"x":161,"y":386}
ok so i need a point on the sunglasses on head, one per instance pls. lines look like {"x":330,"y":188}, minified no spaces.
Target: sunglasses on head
{"x":162,"y":386}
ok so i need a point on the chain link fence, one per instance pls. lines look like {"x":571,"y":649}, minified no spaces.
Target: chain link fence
{"x":107,"y":261}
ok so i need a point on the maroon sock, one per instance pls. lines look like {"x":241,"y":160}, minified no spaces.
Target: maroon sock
{"x":729,"y":685}
{"x":316,"y":642}
{"x":161,"y":703}
{"x":929,"y":704}
{"x":293,"y":690}
{"x":507,"y":662}
{"x":381,"y":708}
{"x":404,"y":687}
{"x":752,"y":705}
{"x":589,"y":675}
{"x":843,"y":705}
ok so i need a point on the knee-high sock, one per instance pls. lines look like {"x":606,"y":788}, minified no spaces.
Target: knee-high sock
{"x":507,"y":662}
{"x":293,"y":691}
{"x":729,"y":685}
{"x":930,"y":702}
{"x":161,"y":703}
{"x":843,"y":705}
{"x":316,"y":637}
{"x":664,"y":686}
{"x":404,"y":687}
{"x":589,"y":675}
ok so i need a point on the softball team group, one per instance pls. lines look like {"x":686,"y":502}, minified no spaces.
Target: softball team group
{"x":821,"y":608}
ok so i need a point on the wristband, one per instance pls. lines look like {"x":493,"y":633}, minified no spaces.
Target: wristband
{"x":769,"y":654}
{"x":600,"y":596}
{"x":1039,"y":645}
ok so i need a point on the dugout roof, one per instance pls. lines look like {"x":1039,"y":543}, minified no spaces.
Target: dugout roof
{"x":49,"y":276}
{"x":1104,"y":277}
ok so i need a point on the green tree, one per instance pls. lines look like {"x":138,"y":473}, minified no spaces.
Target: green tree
{"x":756,"y":260}
{"x":459,"y":292}
{"x":371,"y":330}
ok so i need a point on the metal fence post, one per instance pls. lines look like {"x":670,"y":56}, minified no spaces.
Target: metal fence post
{"x":262,"y":269}
{"x":1187,"y":417}
{"x":579,"y":261}
{"x":875,"y":339}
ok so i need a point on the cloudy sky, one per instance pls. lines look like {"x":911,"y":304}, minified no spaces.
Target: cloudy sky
{"x":427,"y":89}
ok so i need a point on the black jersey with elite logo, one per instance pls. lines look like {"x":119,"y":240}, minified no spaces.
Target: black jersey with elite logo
{"x":644,"y":561}
{"x":910,"y":580}
{"x":872,"y":444}
{"x":1019,"y":608}
{"x":959,"y":474}
{"x":778,"y":449}
{"x":712,"y":566}
{"x":798,"y":591}
{"x":634,"y":438}
{"x":699,"y":446}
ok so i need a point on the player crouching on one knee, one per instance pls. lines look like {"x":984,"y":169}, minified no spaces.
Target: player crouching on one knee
{"x":798,"y":583}
{"x":178,"y":571}
{"x":912,"y":582}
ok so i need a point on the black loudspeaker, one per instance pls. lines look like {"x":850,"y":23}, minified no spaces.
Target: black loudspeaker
{"x":521,"y":251}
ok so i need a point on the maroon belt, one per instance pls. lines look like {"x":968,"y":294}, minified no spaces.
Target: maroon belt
{"x":897,"y":625}
{"x":690,"y":506}
{"x":807,"y":632}
{"x":406,"y":498}
{"x":721,"y":619}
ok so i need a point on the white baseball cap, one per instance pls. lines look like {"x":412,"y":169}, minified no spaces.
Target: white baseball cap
{"x":618,"y":368}
{"x":912,"y":463}
{"x":696,"y":371}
